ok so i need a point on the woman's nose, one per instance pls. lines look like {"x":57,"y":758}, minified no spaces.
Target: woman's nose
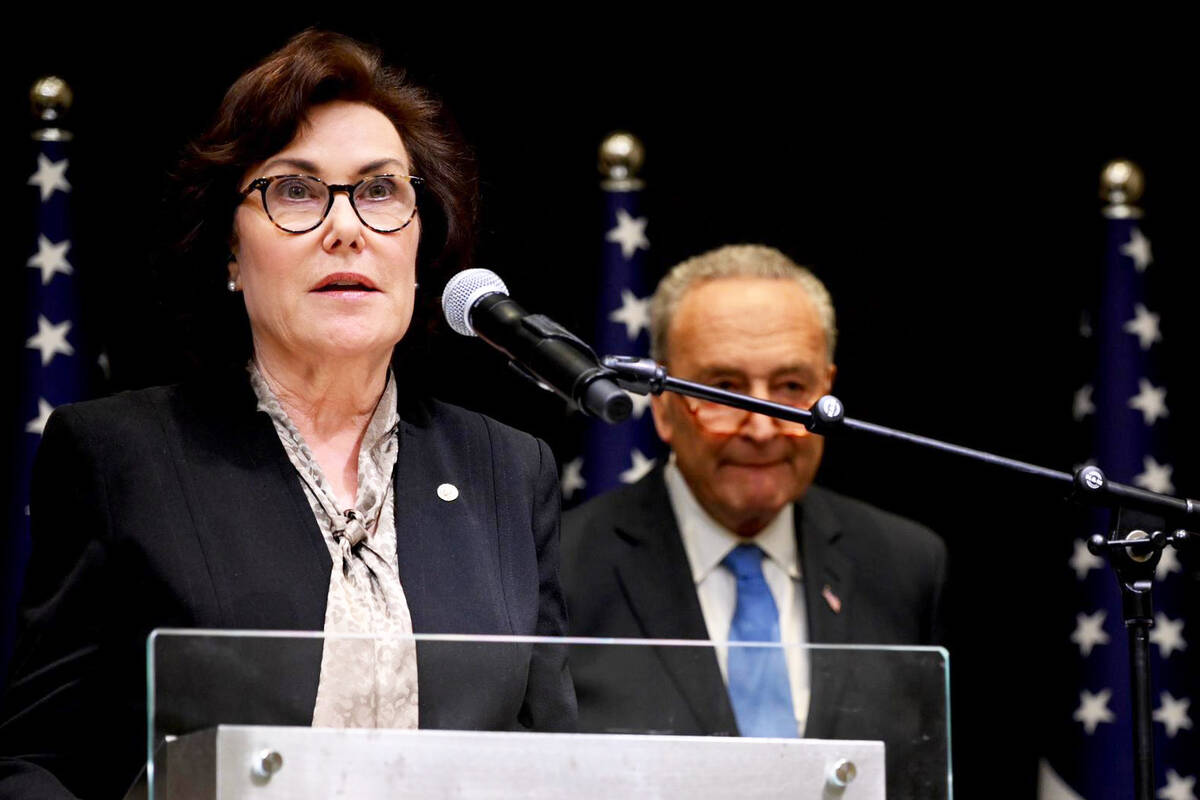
{"x":344,"y":228}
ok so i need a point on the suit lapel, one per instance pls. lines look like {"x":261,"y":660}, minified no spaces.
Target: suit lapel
{"x":657,"y":583}
{"x":828,"y":594}
{"x":418,"y":524}
{"x":828,"y":573}
{"x":448,"y":547}
{"x":268,"y":562}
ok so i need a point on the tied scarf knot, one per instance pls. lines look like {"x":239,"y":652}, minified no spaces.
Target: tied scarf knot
{"x":352,"y":533}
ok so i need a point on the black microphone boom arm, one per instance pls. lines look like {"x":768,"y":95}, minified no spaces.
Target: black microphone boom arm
{"x":551,"y":356}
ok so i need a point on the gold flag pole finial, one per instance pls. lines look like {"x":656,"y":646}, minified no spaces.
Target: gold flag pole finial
{"x":50,"y":99}
{"x":621,"y":158}
{"x":1121,"y":187}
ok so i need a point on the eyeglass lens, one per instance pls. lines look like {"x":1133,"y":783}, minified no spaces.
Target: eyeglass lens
{"x":298,"y":203}
{"x":725,"y":420}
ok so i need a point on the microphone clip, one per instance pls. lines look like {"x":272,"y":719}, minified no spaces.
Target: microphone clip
{"x":547,"y":328}
{"x":544,"y":326}
{"x":637,"y":375}
{"x":595,"y":392}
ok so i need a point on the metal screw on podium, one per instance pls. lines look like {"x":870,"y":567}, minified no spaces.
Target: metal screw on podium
{"x":266,"y":764}
{"x":841,"y":773}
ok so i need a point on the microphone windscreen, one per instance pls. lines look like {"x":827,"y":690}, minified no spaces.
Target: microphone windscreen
{"x":463,"y":291}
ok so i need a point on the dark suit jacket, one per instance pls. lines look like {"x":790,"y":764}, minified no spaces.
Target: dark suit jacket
{"x":178,"y":507}
{"x":626,"y":574}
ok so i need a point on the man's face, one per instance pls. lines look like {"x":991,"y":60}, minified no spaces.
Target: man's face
{"x":760,"y":337}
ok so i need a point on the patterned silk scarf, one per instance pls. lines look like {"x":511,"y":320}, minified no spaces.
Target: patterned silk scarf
{"x":365,"y":682}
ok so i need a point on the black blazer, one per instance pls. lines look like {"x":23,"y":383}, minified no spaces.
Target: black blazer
{"x":178,"y":507}
{"x":626,"y":575}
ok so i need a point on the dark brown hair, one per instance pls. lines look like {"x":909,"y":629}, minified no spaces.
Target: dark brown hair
{"x":263,"y":111}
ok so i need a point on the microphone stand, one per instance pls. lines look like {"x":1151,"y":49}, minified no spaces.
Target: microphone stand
{"x":1133,"y":556}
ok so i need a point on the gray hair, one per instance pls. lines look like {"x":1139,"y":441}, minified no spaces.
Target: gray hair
{"x":734,"y":261}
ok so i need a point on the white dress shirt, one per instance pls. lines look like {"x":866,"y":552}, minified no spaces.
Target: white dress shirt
{"x":707,"y":542}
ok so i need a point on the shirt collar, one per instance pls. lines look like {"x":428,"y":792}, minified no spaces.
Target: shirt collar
{"x":707,"y":541}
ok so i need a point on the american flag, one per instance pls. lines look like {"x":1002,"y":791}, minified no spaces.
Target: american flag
{"x":1124,"y":413}
{"x":613,"y":455}
{"x":53,"y":368}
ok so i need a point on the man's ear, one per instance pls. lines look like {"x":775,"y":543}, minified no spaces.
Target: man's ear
{"x":662,"y":417}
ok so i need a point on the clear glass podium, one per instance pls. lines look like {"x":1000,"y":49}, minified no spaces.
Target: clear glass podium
{"x":230,"y":716}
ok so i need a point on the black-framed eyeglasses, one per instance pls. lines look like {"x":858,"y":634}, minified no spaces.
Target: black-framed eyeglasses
{"x":300,"y":203}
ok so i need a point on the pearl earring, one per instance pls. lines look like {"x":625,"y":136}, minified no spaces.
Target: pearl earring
{"x":232,"y":285}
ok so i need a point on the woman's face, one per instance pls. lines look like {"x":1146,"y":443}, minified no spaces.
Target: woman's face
{"x":341,"y":290}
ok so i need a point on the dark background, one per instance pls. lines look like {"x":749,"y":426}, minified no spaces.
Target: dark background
{"x":944,"y":188}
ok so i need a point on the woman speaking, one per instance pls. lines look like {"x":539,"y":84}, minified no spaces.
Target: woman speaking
{"x":311,"y":488}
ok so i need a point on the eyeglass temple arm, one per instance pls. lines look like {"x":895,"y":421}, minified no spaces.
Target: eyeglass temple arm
{"x":1086,"y":485}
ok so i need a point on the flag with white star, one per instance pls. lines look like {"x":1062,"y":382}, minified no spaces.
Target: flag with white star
{"x":1123,"y":410}
{"x":614,"y":455}
{"x":53,"y":364}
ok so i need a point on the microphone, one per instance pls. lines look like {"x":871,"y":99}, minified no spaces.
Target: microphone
{"x":476,"y":303}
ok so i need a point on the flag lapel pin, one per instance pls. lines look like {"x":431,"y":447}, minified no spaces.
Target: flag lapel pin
{"x":835,"y":603}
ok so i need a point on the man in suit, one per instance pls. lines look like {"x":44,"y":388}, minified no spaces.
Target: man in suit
{"x":730,"y":540}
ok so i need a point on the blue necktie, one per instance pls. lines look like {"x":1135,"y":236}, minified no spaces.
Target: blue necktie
{"x":758,"y":679}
